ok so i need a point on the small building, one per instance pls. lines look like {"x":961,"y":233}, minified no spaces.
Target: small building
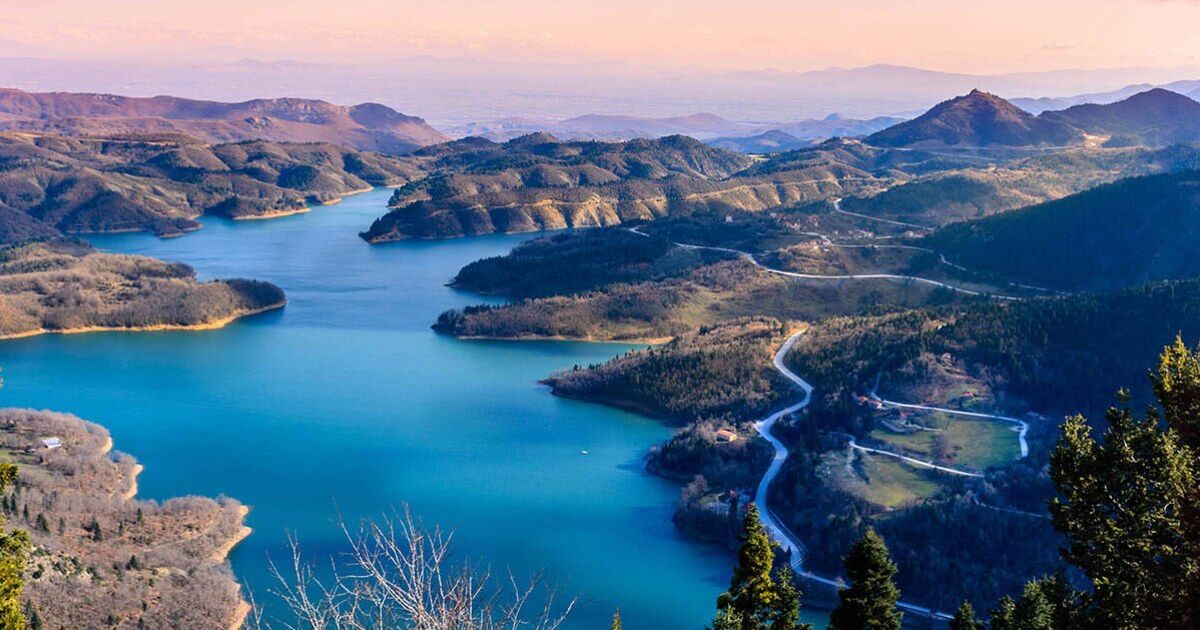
{"x":52,"y":442}
{"x":725,"y":435}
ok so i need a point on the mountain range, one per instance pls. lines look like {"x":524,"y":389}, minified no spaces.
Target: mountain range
{"x":367,"y":126}
{"x":703,"y":126}
{"x":978,"y":119}
{"x":1155,"y":117}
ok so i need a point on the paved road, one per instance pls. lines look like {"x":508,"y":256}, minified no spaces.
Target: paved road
{"x":813,"y":276}
{"x":771,"y":523}
{"x":1022,"y":426}
{"x":916,"y":462}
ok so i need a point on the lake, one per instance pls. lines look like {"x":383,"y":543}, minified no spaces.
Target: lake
{"x":346,"y":403}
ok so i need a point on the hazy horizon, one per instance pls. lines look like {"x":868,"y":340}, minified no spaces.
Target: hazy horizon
{"x":463,"y":61}
{"x":945,"y":35}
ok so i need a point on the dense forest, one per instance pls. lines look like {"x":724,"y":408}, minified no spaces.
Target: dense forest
{"x":1058,"y":355}
{"x":572,"y":262}
{"x":1131,"y":231}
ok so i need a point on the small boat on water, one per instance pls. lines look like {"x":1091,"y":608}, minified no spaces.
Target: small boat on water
{"x":583,"y":452}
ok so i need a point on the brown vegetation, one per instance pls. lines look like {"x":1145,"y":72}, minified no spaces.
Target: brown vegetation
{"x":68,"y":287}
{"x":102,"y":558}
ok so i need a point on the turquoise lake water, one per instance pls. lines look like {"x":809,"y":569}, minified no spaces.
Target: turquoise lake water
{"x":345,"y":402}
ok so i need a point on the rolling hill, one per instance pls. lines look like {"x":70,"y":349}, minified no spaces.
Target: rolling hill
{"x":53,"y":184}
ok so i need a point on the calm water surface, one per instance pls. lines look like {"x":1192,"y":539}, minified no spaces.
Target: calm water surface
{"x":346,"y":402}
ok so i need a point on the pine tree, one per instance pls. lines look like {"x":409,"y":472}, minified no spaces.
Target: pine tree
{"x":1002,"y":615}
{"x":870,"y":601}
{"x":1122,"y":501}
{"x":751,"y":592}
{"x":964,"y":619}
{"x":616,"y":620}
{"x":727,"y":619}
{"x":786,"y":615}
{"x":14,"y":546}
{"x":1033,"y":611}
{"x":42,"y":523}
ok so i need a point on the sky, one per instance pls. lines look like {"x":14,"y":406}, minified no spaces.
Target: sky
{"x":971,"y":36}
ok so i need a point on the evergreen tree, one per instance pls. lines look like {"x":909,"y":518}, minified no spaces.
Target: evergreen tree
{"x":870,"y":601}
{"x":1003,"y":614}
{"x":13,"y":549}
{"x":727,"y":619}
{"x":1033,"y":610}
{"x":786,"y":615}
{"x":964,"y":619}
{"x":1120,"y":508}
{"x":752,"y":593}
{"x":1129,"y":507}
{"x":42,"y":523}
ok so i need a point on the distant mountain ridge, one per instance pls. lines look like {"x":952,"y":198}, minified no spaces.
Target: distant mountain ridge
{"x":367,"y":126}
{"x":702,"y":126}
{"x":1156,"y":117}
{"x":978,"y":119}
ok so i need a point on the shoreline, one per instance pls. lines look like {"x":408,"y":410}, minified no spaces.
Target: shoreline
{"x":274,"y":214}
{"x":215,"y":324}
{"x":652,"y":341}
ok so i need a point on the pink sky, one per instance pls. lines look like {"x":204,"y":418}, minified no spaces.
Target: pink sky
{"x":953,"y":35}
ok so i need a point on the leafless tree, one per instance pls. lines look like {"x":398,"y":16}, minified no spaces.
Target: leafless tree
{"x":398,"y":574}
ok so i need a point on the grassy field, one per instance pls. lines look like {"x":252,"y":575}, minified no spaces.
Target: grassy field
{"x":881,"y":480}
{"x":971,"y":443}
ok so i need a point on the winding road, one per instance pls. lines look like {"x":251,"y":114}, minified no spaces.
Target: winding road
{"x":778,"y":531}
{"x":749,"y":257}
{"x":771,"y":522}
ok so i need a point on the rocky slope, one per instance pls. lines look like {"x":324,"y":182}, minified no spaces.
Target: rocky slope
{"x":367,"y":127}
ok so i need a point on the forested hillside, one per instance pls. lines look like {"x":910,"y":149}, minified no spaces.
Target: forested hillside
{"x":1056,"y":355}
{"x":1132,"y":231}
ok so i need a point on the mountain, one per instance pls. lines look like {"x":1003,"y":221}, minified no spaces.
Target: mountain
{"x":978,"y":119}
{"x":1156,"y":117}
{"x":52,"y":184}
{"x":772,"y":141}
{"x":368,"y":126}
{"x":1132,"y":231}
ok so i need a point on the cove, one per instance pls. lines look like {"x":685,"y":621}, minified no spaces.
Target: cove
{"x":346,"y":403}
